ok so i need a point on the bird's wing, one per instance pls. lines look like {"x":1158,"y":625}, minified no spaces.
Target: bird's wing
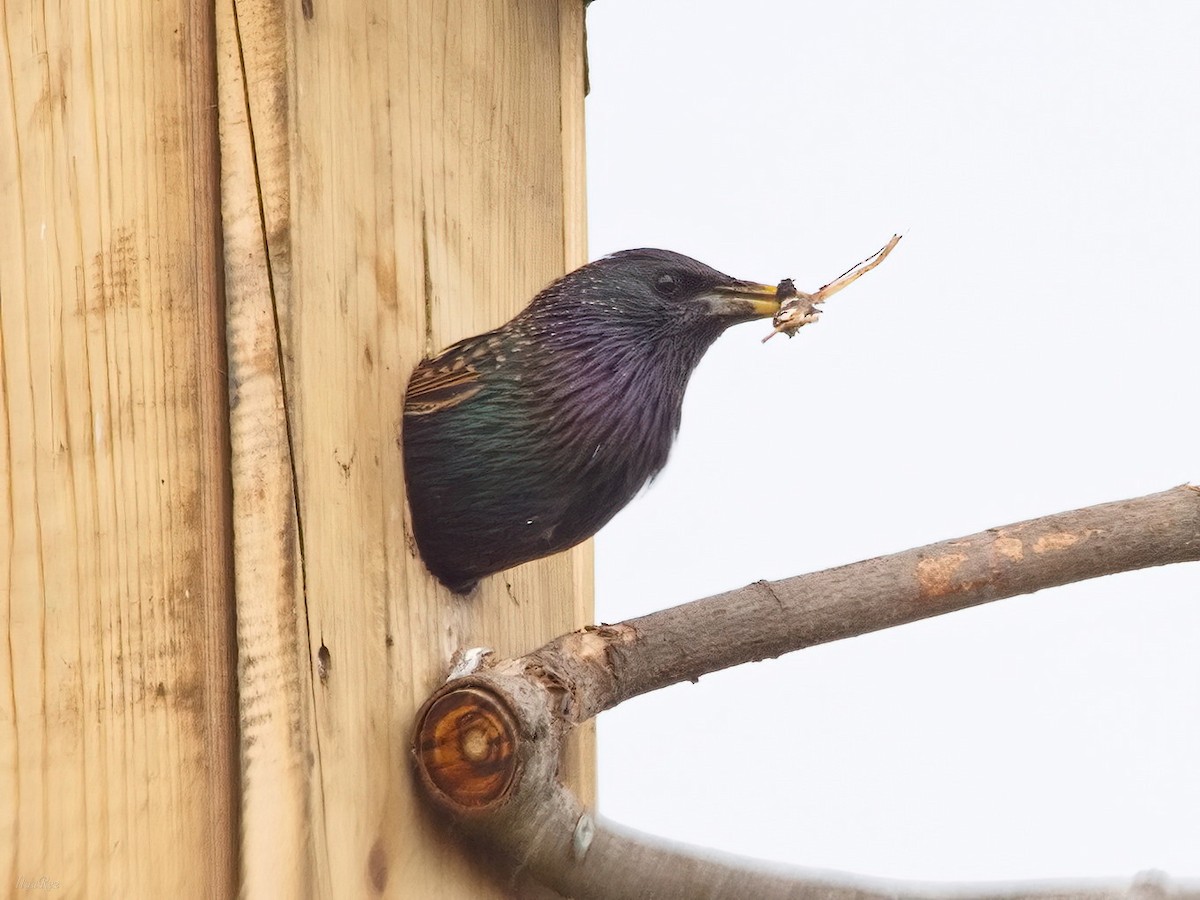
{"x":451,"y":377}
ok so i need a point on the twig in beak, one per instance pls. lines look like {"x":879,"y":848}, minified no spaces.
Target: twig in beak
{"x":797,"y":308}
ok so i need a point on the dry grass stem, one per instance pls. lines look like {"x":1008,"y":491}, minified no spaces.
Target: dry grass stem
{"x":797,"y":308}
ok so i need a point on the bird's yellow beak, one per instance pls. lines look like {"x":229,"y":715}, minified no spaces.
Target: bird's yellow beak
{"x":745,"y":299}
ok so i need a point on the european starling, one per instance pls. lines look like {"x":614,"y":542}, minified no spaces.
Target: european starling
{"x":524,"y":441}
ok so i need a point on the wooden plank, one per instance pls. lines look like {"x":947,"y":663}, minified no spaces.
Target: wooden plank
{"x":117,"y":714}
{"x":579,"y":758}
{"x":275,"y":678}
{"x":433,"y":182}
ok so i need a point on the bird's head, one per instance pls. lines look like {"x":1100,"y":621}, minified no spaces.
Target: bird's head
{"x":655,"y":292}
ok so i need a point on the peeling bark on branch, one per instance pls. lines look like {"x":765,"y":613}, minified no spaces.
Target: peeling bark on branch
{"x":609,"y":664}
{"x":488,"y":741}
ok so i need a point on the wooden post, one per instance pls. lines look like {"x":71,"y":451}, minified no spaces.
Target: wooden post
{"x":118,"y":716}
{"x":393,"y":175}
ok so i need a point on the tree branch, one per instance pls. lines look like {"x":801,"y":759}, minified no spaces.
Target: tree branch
{"x":488,"y":741}
{"x":600,"y":667}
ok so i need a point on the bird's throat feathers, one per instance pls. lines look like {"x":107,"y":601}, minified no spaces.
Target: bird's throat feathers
{"x":617,"y":388}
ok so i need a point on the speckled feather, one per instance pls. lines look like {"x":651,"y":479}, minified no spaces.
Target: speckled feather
{"x":526,"y":440}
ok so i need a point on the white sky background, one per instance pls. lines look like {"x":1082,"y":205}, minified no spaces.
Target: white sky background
{"x":1031,"y":346}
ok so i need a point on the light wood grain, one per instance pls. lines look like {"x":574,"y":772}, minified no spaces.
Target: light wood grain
{"x":275,"y":679}
{"x":432,"y":182}
{"x":117,"y":711}
{"x":393,"y":176}
{"x":579,"y":759}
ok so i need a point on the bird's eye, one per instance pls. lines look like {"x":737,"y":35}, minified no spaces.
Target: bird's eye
{"x":667,"y":285}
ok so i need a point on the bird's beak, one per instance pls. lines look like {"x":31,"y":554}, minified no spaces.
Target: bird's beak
{"x":743,"y":300}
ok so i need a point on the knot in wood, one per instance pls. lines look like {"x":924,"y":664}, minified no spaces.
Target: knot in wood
{"x":466,"y":749}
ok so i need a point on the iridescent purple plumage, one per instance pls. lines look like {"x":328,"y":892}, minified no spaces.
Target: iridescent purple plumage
{"x":526,"y":440}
